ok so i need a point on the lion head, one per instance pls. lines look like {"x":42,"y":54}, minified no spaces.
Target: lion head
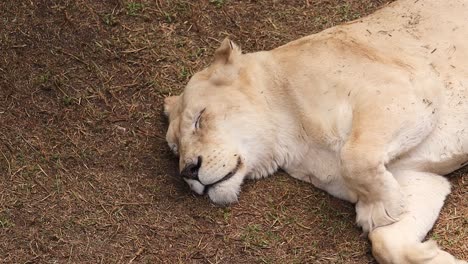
{"x":219,"y":126}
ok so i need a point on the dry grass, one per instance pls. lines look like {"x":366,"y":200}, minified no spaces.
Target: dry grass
{"x":85,"y":174}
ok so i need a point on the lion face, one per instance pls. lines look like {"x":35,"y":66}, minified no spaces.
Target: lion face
{"x":215,"y":127}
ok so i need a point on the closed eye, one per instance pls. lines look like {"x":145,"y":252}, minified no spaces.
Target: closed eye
{"x":198,"y":121}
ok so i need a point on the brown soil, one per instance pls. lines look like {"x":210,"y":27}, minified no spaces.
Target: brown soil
{"x":85,"y":173}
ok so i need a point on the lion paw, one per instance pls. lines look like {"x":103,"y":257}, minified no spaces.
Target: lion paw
{"x":375,"y":214}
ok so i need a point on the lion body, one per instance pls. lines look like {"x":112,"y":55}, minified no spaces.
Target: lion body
{"x":411,"y":57}
{"x":406,"y":57}
{"x":373,"y":112}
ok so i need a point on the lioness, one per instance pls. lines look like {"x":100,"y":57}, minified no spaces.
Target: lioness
{"x":372,"y":111}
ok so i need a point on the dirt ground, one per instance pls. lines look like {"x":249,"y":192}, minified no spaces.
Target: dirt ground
{"x":85,"y":173}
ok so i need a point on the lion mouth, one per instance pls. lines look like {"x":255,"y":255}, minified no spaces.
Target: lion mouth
{"x":227,"y":176}
{"x":198,"y":187}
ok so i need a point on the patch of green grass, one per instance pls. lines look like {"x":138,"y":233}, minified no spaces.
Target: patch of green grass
{"x":184,"y":73}
{"x":20,"y":158}
{"x":168,"y":17}
{"x":182,"y":6}
{"x":346,"y":13}
{"x":134,"y":8}
{"x":67,"y":100}
{"x":218,"y":3}
{"x":109,"y":20}
{"x":43,"y":78}
{"x":180,"y":44}
{"x":154,"y":189}
{"x":5,"y":222}
{"x":55,"y":156}
{"x":196,"y":54}
{"x":255,"y":235}
{"x":227,"y":214}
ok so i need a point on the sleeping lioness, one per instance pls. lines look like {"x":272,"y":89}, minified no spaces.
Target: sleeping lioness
{"x":371,"y":112}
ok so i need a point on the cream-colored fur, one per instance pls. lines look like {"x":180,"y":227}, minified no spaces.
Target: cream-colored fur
{"x":372,"y":112}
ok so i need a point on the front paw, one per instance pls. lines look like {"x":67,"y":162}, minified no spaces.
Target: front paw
{"x":378,"y":213}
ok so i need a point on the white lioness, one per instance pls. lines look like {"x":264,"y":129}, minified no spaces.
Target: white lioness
{"x":372,"y":112}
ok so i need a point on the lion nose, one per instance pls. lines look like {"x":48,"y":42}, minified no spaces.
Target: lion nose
{"x":191,"y":169}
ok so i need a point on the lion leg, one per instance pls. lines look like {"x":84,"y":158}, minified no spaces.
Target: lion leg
{"x":377,"y":137}
{"x":400,"y":243}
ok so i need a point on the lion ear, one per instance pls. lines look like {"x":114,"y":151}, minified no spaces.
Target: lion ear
{"x":227,"y":52}
{"x":169,"y":104}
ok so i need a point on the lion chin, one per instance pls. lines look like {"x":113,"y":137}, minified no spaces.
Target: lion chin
{"x":370,"y":117}
{"x":223,"y":192}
